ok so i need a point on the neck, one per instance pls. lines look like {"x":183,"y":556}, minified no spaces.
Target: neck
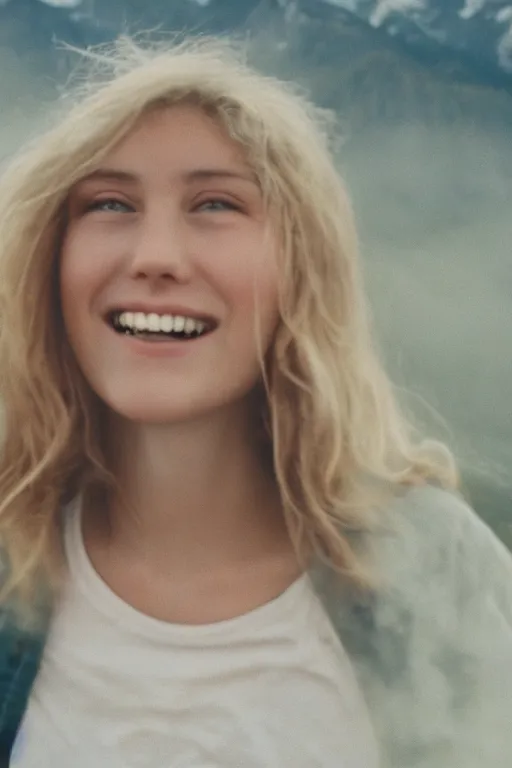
{"x":195,"y":495}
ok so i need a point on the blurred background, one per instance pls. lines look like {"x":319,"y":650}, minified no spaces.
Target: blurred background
{"x":423,"y":92}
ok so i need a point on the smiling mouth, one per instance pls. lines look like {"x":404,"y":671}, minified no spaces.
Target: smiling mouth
{"x":155,"y":327}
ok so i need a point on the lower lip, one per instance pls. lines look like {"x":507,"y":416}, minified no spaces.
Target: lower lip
{"x":170,"y":348}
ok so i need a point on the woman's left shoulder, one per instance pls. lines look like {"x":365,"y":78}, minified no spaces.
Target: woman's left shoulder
{"x":444,"y":518}
{"x":442,"y":540}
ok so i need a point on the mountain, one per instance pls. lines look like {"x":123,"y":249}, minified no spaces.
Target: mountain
{"x":373,"y":63}
{"x":478,"y":31}
{"x":469,"y":36}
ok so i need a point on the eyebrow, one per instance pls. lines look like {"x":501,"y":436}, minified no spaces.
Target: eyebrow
{"x":198,"y":174}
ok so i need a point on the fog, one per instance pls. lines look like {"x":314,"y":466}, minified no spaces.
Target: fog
{"x":434,"y":208}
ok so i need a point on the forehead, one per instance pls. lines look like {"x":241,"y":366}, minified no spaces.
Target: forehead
{"x":176,"y":135}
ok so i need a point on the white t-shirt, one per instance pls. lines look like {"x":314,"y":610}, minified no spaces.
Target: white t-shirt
{"x":272,"y":688}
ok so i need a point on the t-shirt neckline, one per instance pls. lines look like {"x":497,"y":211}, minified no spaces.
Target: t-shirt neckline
{"x":117,"y":610}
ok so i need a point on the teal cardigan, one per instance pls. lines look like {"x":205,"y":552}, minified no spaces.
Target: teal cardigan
{"x":432,"y":649}
{"x":20,"y":656}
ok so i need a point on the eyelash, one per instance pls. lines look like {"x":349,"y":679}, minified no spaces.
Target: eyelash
{"x":96,"y":205}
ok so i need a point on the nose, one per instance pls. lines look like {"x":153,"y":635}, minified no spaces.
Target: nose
{"x":159,"y":250}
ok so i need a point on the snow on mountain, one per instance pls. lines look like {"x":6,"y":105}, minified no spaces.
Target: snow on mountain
{"x":387,"y":8}
{"x":477,"y":31}
{"x":63,"y":3}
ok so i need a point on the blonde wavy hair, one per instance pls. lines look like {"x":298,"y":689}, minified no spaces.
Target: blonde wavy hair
{"x":340,"y":443}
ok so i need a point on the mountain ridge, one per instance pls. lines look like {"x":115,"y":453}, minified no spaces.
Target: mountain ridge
{"x":472,"y":35}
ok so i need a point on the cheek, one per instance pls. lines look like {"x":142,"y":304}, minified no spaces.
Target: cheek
{"x":251,"y":281}
{"x":255,"y":303}
{"x":77,"y":281}
{"x":82,"y":271}
{"x":70,"y":281}
{"x":265,"y":294}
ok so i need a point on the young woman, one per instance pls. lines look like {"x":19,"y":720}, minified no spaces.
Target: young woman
{"x":222,"y":545}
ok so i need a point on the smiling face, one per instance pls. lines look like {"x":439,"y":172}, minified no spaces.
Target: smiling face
{"x":166,"y":266}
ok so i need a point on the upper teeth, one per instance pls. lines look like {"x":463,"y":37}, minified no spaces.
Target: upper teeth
{"x":140,"y":321}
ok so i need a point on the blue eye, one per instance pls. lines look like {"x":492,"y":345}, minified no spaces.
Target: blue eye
{"x":110,"y":204}
{"x":218,"y":204}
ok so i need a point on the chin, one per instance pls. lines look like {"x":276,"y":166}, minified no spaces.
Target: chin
{"x":165,"y":400}
{"x":151,"y":408}
{"x":157,"y":413}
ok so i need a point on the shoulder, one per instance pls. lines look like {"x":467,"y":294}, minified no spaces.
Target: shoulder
{"x":432,"y":648}
{"x":23,"y":626}
{"x":427,"y":540}
{"x":22,"y":641}
{"x":429,"y":513}
{"x":430,"y":528}
{"x":443,"y":624}
{"x":440,"y":565}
